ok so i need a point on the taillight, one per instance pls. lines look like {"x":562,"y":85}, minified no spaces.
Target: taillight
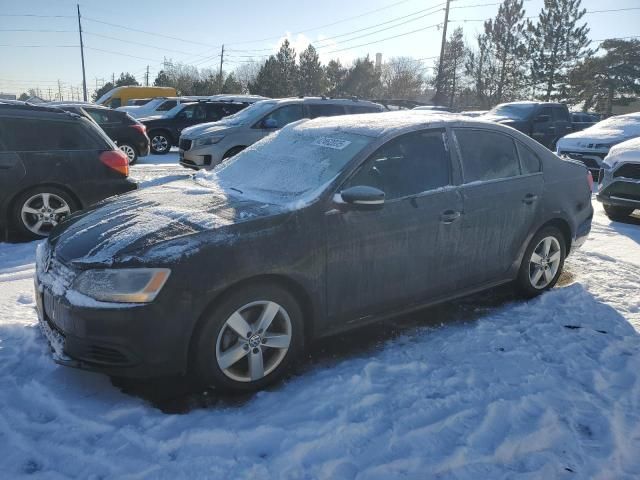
{"x":116,"y":160}
{"x":590,"y":180}
{"x":139,"y":127}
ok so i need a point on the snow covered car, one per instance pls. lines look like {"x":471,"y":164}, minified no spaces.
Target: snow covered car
{"x":325,"y":226}
{"x":592,"y":144}
{"x":619,"y":189}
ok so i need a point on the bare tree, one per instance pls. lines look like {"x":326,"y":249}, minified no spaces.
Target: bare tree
{"x":402,"y":77}
{"x":247,"y":73}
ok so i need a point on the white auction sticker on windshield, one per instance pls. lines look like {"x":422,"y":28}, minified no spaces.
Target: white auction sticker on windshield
{"x":335,"y":143}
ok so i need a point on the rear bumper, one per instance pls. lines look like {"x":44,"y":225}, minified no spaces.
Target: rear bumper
{"x":143,"y":147}
{"x":582,"y":232}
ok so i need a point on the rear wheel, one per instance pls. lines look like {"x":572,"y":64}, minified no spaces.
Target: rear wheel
{"x":130,"y":151}
{"x":160,"y":143}
{"x":38,"y":210}
{"x":542,"y":262}
{"x":617,"y":213}
{"x":250,"y":339}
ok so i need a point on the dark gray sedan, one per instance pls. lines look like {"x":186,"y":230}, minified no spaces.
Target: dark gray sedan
{"x":325,"y":226}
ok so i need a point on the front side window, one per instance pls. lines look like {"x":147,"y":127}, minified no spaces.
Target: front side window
{"x":407,"y":165}
{"x":486,"y":155}
{"x":545,"y":112}
{"x":284,"y":116}
{"x":115,"y":102}
{"x":166,"y":106}
{"x":560,"y":114}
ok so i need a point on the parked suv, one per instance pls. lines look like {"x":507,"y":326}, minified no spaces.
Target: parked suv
{"x":619,"y":189}
{"x":543,"y":121}
{"x":205,"y":146}
{"x":53,"y":163}
{"x":156,"y":107}
{"x":164,"y":132}
{"x":129,"y":134}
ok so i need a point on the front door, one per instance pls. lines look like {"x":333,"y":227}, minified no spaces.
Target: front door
{"x":544,"y":129}
{"x":403,"y":253}
{"x":279,"y":118}
{"x":501,"y":201}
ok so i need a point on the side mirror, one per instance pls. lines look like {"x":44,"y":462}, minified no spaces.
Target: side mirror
{"x":542,"y":119}
{"x":270,"y":123}
{"x":362,"y":197}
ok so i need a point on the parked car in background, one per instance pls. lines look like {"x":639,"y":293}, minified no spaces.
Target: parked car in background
{"x":134,"y":102}
{"x":619,"y":189}
{"x":582,"y":120}
{"x":206,"y":145}
{"x":474,"y":113}
{"x":241,"y":98}
{"x":592,"y":144}
{"x":435,"y":108}
{"x":129,"y":134}
{"x":120,"y":96}
{"x":156,"y":107}
{"x":322,"y":227}
{"x":164,"y":132}
{"x":53,"y":163}
{"x":543,"y":121}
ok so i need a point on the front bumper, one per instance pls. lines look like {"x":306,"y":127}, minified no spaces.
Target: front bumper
{"x":591,"y":158}
{"x":207,"y":156}
{"x":121,"y":341}
{"x":620,"y":187}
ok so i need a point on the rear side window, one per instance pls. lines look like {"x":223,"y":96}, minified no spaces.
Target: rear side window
{"x":168,"y":105}
{"x":561,"y":114}
{"x":327,"y":110}
{"x":529,"y":161}
{"x":486,"y":155}
{"x":21,"y":134}
{"x":100,"y":116}
{"x":361,"y":109}
{"x":407,"y":165}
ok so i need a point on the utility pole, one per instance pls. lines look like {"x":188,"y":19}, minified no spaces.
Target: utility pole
{"x":84,"y":76}
{"x":59,"y":91}
{"x":444,"y":41}
{"x":220,"y":74}
{"x":146,"y":78}
{"x":49,"y":93}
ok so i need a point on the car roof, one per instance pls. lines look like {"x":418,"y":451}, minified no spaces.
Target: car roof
{"x":323,"y":100}
{"x":24,"y":107}
{"x":379,"y":124}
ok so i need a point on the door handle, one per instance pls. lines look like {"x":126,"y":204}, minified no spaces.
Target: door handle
{"x":449,"y":216}
{"x":529,"y":198}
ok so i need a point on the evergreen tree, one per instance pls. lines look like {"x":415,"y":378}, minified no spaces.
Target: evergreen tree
{"x":288,"y":70}
{"x":231,"y":85}
{"x":362,"y":79}
{"x":23,"y":97}
{"x":102,"y":90}
{"x":505,"y":34}
{"x":481,"y":68}
{"x":335,"y":75}
{"x":126,"y":79}
{"x":162,"y":80}
{"x":266,"y":82}
{"x":558,"y":45}
{"x":311,"y":74}
{"x":453,"y":67}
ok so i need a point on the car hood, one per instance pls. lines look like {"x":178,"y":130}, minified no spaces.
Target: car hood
{"x":589,"y":137}
{"x":627,"y":152}
{"x":205,"y":129}
{"x":155,"y":224}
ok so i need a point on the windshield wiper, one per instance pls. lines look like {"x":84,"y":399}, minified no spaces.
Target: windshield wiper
{"x":237,"y":190}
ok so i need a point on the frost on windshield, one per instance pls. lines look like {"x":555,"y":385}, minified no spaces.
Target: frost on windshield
{"x":289,"y":166}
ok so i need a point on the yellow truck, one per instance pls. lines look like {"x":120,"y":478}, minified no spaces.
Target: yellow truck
{"x":119,"y":96}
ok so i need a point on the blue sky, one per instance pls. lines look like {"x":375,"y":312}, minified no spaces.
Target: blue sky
{"x":247,"y":28}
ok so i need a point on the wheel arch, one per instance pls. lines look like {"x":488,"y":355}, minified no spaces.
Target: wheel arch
{"x":292,"y":286}
{"x":564,"y":227}
{"x":163,"y":130}
{"x":6,"y":214}
{"x":239,"y":148}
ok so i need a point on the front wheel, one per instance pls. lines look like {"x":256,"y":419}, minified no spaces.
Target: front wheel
{"x":160,"y":143}
{"x":617,"y":213}
{"x":542,"y":262}
{"x":38,"y":210}
{"x":130,"y":151}
{"x":250,"y":340}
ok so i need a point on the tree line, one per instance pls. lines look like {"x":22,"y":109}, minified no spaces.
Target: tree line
{"x":513,"y":58}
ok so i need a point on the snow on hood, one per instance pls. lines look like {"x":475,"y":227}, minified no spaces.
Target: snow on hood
{"x":612,"y":130}
{"x":155,"y":223}
{"x":204,"y":128}
{"x":628,"y":151}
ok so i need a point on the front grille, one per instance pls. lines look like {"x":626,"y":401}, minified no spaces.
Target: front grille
{"x":100,"y":354}
{"x":628,"y":170}
{"x":586,"y":158}
{"x":185,"y":144}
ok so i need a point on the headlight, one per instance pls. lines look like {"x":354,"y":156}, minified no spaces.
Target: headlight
{"x":210,"y":140}
{"x":126,"y":285}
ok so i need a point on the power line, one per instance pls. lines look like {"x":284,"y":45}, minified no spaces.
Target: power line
{"x":137,"y":43}
{"x":387,"y":38}
{"x":35,"y":15}
{"x":35,"y":30}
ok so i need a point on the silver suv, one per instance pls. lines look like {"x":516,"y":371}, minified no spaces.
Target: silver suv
{"x":208,"y":144}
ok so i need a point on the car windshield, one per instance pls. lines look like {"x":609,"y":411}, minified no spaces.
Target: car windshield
{"x":292,"y":165}
{"x":248,"y":115}
{"x":627,"y":123}
{"x":513,"y":111}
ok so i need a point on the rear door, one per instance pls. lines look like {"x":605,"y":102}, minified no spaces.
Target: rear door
{"x":12,"y":171}
{"x":562,"y":121}
{"x":501,"y":200}
{"x":406,"y":252}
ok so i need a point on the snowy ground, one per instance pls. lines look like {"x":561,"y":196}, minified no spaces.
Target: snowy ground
{"x":484,"y":388}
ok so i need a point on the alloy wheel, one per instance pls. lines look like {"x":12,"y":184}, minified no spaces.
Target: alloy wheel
{"x":43,"y":211}
{"x":544,"y":262}
{"x":253,"y":341}
{"x":160,"y":143}
{"x":129,"y":152}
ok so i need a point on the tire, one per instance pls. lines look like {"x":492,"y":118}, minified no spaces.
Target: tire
{"x":160,"y":143}
{"x":617,"y":213}
{"x":130,"y":151}
{"x":215,"y":341}
{"x":232,"y":152}
{"x":530,"y":269}
{"x":28,"y":206}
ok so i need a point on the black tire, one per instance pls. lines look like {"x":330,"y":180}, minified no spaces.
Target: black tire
{"x":28,"y":196}
{"x":524,"y":281}
{"x":617,"y":213}
{"x":232,"y":152}
{"x":160,"y":142}
{"x":212,"y":332}
{"x":126,"y":148}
